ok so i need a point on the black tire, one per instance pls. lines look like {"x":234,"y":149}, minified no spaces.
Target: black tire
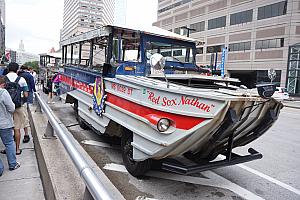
{"x":135,"y":168}
{"x":80,"y":121}
{"x":197,"y":157}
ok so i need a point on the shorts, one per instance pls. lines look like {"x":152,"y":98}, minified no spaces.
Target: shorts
{"x":21,"y":119}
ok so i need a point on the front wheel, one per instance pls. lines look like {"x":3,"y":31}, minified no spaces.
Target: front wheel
{"x":135,"y":168}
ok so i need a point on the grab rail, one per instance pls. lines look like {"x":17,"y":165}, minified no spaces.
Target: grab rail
{"x":92,"y":181}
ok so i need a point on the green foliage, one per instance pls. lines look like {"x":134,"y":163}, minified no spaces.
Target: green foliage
{"x":34,"y":65}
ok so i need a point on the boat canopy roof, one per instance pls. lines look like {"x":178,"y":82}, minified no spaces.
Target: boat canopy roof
{"x":57,"y":55}
{"x":105,"y":31}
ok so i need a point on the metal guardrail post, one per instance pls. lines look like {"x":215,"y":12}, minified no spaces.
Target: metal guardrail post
{"x":38,"y":106}
{"x":87,"y":195}
{"x":94,"y":184}
{"x":49,"y":134}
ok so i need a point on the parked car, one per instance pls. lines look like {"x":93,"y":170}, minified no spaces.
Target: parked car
{"x":281,"y":93}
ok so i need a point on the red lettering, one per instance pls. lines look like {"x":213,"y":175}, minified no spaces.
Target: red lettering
{"x":169,"y":102}
{"x":195,"y":102}
{"x":152,"y":98}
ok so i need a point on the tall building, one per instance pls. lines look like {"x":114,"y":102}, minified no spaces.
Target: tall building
{"x":84,"y":15}
{"x":2,"y":38}
{"x":2,"y":27}
{"x":258,"y":34}
{"x":2,"y":10}
{"x":22,"y":56}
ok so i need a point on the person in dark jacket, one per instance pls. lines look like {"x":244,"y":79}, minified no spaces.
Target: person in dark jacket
{"x":24,"y":72}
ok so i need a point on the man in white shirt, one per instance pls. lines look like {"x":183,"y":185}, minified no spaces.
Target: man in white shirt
{"x":20,"y":120}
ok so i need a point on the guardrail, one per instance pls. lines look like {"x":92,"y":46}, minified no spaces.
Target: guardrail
{"x":92,"y":181}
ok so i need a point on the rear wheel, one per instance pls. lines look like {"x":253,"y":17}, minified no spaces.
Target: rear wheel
{"x":81,"y":122}
{"x":135,"y":168}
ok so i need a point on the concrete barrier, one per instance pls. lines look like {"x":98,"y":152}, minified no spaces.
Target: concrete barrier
{"x":59,"y":176}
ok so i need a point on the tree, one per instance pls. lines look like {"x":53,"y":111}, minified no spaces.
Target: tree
{"x":34,"y":65}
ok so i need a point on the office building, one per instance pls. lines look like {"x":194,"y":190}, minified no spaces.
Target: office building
{"x":2,"y":27}
{"x":259,"y":35}
{"x":2,"y":38}
{"x":2,"y":10}
{"x":84,"y":15}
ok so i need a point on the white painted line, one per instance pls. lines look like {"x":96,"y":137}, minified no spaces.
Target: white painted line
{"x":273,"y":180}
{"x":212,"y":180}
{"x":99,"y":144}
{"x":144,"y":198}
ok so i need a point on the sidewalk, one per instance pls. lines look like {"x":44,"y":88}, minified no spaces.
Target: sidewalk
{"x":23,"y":183}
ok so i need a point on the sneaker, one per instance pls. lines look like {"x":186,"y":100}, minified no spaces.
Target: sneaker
{"x":26,"y":139}
{"x":16,"y":167}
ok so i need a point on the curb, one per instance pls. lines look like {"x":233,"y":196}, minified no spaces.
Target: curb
{"x":49,"y":189}
{"x":60,"y":178}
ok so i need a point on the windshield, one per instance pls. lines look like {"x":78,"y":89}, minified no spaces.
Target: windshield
{"x":171,"y":52}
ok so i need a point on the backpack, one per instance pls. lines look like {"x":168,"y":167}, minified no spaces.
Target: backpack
{"x":15,"y":90}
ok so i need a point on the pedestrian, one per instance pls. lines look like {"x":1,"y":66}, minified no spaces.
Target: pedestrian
{"x":19,"y":114}
{"x":55,"y":84}
{"x":24,"y":72}
{"x":7,"y":108}
{"x":33,"y":73}
{"x":49,"y":89}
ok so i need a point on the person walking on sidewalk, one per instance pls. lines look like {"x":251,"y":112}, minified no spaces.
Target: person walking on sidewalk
{"x":19,"y":115}
{"x":7,"y":107}
{"x":25,"y":73}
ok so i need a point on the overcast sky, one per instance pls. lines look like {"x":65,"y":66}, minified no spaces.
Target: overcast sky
{"x":38,"y":22}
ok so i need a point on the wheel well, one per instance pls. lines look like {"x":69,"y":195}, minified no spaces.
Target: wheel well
{"x":70,"y":99}
{"x":115,"y":129}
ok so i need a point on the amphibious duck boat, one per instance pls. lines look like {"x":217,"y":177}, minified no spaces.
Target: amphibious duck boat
{"x":149,"y":91}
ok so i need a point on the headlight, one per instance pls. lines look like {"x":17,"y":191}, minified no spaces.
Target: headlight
{"x":163,"y":125}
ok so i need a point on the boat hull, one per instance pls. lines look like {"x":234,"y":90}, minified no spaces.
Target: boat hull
{"x":202,"y":120}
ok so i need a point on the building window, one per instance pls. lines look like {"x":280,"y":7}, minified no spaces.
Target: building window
{"x":198,"y":27}
{"x":241,"y":17}
{"x":180,"y":30}
{"x":272,"y":43}
{"x":217,"y":23}
{"x":273,"y":10}
{"x":173,"y":6}
{"x":199,"y":50}
{"x":242,"y":46}
{"x":213,"y":49}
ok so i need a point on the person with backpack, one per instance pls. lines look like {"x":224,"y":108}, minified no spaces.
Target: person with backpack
{"x":16,"y":86}
{"x":25,"y":73}
{"x":7,"y":108}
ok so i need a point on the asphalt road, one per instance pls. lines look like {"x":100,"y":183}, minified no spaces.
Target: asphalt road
{"x":275,"y":176}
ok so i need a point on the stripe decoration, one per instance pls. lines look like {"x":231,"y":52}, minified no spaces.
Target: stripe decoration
{"x":182,"y":121}
{"x":99,"y":96}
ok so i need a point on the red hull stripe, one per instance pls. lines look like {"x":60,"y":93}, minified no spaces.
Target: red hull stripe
{"x":181,"y":121}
